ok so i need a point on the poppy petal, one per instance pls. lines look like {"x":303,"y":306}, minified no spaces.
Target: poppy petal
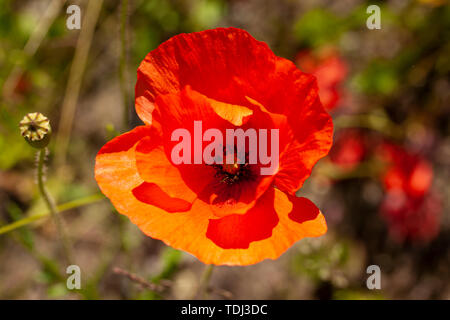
{"x":297,"y":218}
{"x":236,"y":231}
{"x":216,"y":63}
{"x":151,"y":193}
{"x":127,"y":140}
{"x":116,"y":164}
{"x":183,"y":108}
{"x":311,"y":141}
{"x":235,"y":199}
{"x":302,"y":143}
{"x":154,"y":167}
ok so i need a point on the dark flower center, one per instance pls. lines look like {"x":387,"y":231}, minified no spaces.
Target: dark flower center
{"x":231,"y":173}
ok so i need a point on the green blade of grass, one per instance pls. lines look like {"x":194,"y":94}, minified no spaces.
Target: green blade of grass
{"x":61,"y":208}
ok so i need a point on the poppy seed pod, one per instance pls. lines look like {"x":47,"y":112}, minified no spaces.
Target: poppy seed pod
{"x":35,"y":128}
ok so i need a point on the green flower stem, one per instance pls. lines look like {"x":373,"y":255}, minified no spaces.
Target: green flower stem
{"x":368,"y":169}
{"x":370,"y":121}
{"x":37,"y":36}
{"x":123,"y":63}
{"x":202,"y":291}
{"x":52,"y":206}
{"x":74,"y":82}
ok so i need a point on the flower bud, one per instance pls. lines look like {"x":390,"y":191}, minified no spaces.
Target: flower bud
{"x":35,"y":128}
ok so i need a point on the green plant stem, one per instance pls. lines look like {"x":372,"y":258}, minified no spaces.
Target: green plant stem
{"x":73,"y":87}
{"x":202,"y":291}
{"x":52,"y":206}
{"x":368,"y":169}
{"x":32,"y":45}
{"x":123,"y":63}
{"x":370,"y":121}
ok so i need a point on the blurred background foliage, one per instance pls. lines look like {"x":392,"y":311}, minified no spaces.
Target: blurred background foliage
{"x":387,"y":86}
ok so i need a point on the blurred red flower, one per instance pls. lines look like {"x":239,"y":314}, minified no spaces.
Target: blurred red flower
{"x":23,"y":85}
{"x":411,"y":208}
{"x":405,"y":171}
{"x":221,"y":214}
{"x":412,"y":218}
{"x":349,"y":149}
{"x":330,"y":70}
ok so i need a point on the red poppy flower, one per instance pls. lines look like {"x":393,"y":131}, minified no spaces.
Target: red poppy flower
{"x":405,"y":171}
{"x":329,"y":69}
{"x":349,"y":149}
{"x":222,"y":214}
{"x":410,"y":207}
{"x":412,"y":218}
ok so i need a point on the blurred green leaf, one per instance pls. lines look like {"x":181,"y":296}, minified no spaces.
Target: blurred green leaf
{"x":57,"y":290}
{"x":348,"y":294}
{"x":171,"y":259}
{"x":16,"y":214}
{"x":207,"y":13}
{"x":318,"y":27}
{"x":378,"y":78}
